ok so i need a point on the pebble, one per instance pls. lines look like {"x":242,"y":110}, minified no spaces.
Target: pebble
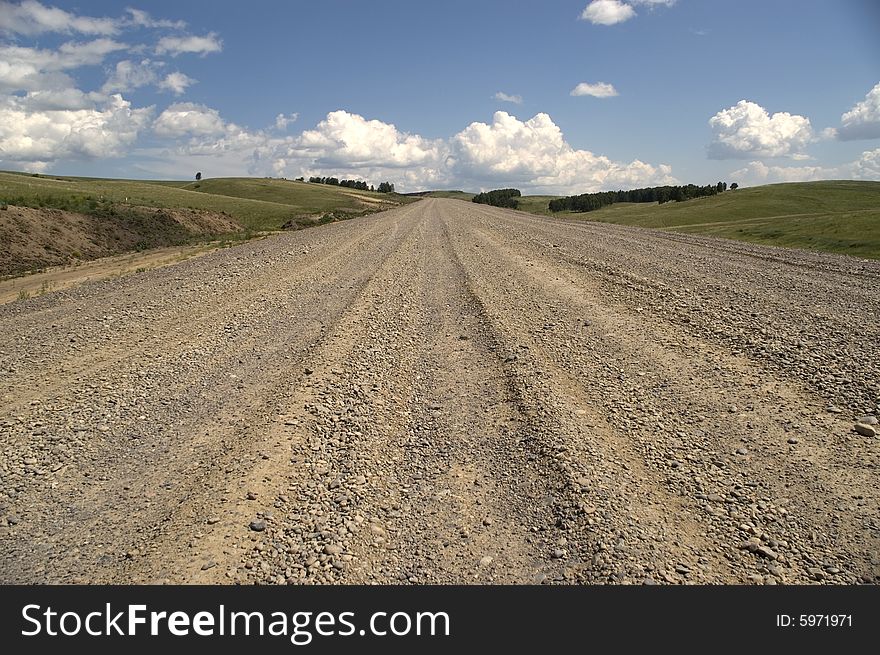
{"x":793,"y":440}
{"x":486,"y":561}
{"x":258,"y":526}
{"x":867,"y":420}
{"x":557,"y":554}
{"x":332,"y":549}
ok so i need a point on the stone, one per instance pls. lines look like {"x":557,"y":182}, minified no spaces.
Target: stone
{"x":486,"y":561}
{"x":258,"y":526}
{"x":793,"y":440}
{"x":867,"y":420}
{"x":557,"y":554}
{"x":332,"y":549}
{"x":865,"y":430}
{"x":764,"y":551}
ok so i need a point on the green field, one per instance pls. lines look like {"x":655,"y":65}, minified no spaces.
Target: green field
{"x":834,"y":216}
{"x":536,"y":204}
{"x":257,"y":203}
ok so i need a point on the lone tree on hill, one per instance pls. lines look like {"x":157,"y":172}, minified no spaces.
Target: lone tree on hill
{"x":198,"y":176}
{"x":734,"y":186}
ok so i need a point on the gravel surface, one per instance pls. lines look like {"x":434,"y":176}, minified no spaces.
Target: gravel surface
{"x":449,"y":393}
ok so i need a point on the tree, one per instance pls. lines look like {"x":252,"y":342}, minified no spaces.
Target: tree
{"x":498,"y":198}
{"x":198,"y":176}
{"x":386,"y":187}
{"x":734,"y":186}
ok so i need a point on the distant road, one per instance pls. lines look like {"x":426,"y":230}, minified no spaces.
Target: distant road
{"x":453,"y":393}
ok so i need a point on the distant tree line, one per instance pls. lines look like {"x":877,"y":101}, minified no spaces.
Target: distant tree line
{"x":587,"y":202}
{"x":384,"y":187}
{"x":499,"y":198}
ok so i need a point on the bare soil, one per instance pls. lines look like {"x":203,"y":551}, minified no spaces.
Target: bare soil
{"x":34,"y":239}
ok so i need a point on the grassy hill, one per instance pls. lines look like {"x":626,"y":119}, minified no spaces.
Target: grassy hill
{"x":256,"y":203}
{"x":455,"y":195}
{"x":834,"y":216}
{"x":48,"y":220}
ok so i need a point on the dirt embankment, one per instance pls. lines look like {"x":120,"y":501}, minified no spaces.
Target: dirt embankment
{"x":36,"y":238}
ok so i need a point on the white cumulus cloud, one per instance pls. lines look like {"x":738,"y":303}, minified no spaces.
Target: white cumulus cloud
{"x":505,"y":97}
{"x":351,"y":140}
{"x":189,"y":119}
{"x":611,"y":12}
{"x":128,"y":75}
{"x":32,"y":138}
{"x":607,"y":12}
{"x":748,"y":130}
{"x":597,"y":90}
{"x":189,"y":44}
{"x":533,"y":154}
{"x":866,"y":167}
{"x":176,"y":82}
{"x":31,"y":18}
{"x":32,"y":69}
{"x":140,"y":18}
{"x":863,"y":120}
{"x":283,"y":120}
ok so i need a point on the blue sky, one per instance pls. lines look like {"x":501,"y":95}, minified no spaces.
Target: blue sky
{"x":688,"y":91}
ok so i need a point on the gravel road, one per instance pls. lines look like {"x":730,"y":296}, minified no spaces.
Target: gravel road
{"x":449,"y":393}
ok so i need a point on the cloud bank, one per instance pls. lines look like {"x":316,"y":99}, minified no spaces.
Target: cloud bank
{"x":530,"y":154}
{"x":866,"y":167}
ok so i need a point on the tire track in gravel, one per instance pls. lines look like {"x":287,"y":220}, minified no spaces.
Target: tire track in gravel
{"x":163,"y":316}
{"x":624,"y":340}
{"x":821,"y":329}
{"x":415,"y":487}
{"x":159,"y":470}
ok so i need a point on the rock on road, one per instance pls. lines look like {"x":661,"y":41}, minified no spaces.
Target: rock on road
{"x":448,"y":393}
